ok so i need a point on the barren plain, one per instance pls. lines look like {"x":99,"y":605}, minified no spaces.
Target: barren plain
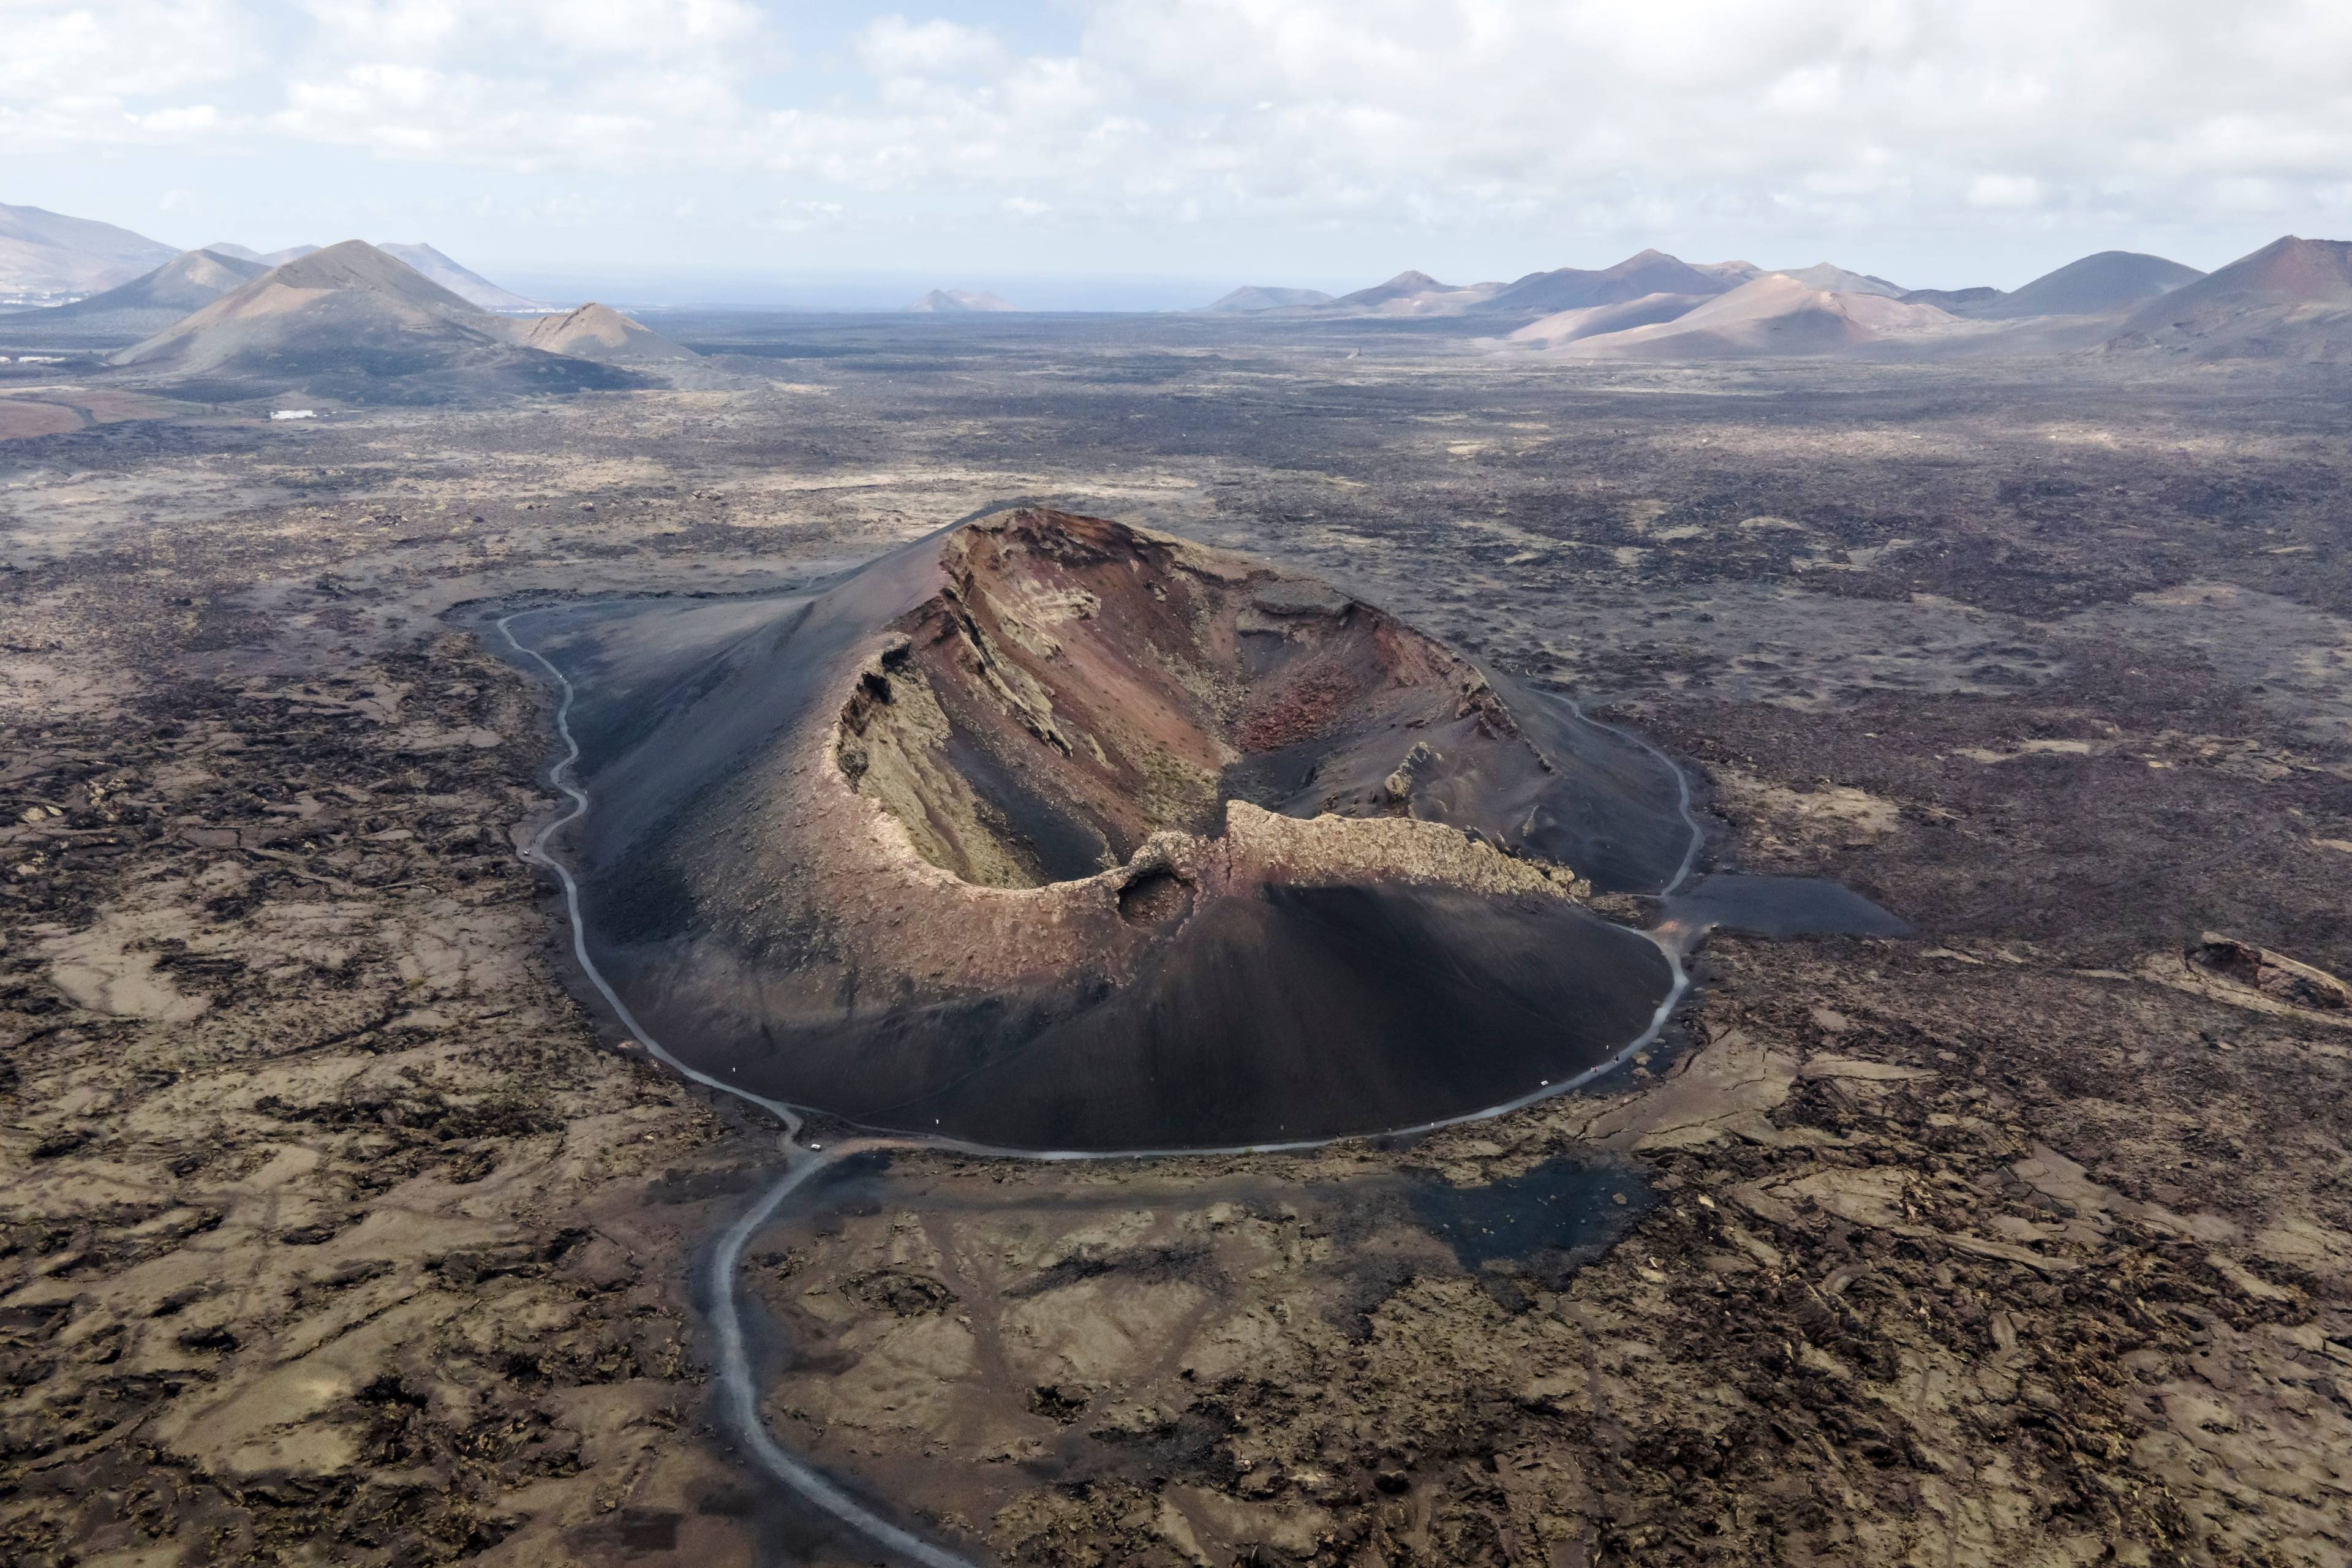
{"x":340,"y":1228}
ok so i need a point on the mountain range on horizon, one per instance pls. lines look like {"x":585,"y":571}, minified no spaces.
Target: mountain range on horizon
{"x":1774,"y":314}
{"x":2109,"y":281}
{"x":2292,"y":299}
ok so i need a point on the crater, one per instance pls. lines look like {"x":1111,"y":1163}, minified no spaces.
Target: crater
{"x":1053,"y":832}
{"x":1078,"y":685}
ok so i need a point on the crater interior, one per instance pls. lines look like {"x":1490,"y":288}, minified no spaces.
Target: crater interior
{"x":1079,"y":684}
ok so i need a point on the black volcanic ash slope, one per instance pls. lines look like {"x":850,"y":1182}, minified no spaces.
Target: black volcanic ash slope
{"x":1051,"y":833}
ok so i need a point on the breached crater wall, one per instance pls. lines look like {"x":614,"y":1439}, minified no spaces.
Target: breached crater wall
{"x":1079,"y":684}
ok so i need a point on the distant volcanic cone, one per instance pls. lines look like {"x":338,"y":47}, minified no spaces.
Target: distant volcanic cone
{"x":350,"y":321}
{"x":1049,"y":832}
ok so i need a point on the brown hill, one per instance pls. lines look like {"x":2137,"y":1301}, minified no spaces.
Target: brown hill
{"x":2288,"y":272}
{"x":1649,"y":273}
{"x":1408,"y":294}
{"x":1593,"y":320}
{"x":2290,"y":299}
{"x":351,"y":322}
{"x":600,"y":332}
{"x":1771,"y":315}
{"x":189,"y":281}
{"x":1832,"y":278}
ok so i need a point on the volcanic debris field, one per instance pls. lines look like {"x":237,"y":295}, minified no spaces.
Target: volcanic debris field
{"x":338,"y":1228}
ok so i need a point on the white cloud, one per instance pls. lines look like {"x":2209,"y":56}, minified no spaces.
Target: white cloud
{"x":799,"y":217}
{"x":893,"y":46}
{"x":1458,"y":102}
{"x":653,"y":29}
{"x":386,"y":30}
{"x":1292,"y":116}
{"x":2004,"y":191}
{"x":112,"y":51}
{"x":605,"y":85}
{"x":466,"y":117}
{"x":550,"y":29}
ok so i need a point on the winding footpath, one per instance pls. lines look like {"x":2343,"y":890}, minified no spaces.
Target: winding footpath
{"x":738,"y":1388}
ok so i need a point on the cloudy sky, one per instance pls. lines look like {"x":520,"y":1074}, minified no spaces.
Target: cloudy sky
{"x":1067,"y":145}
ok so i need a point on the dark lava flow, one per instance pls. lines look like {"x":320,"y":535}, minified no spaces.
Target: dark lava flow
{"x":1556,"y":1215}
{"x":1048,"y":833}
{"x":1779,"y":908}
